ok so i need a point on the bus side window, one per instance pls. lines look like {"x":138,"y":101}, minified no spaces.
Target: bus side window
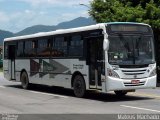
{"x":30,"y":48}
{"x":20,"y":49}
{"x":76,"y":46}
{"x":6,"y":51}
{"x":43,"y":49}
{"x":27,"y":48}
{"x":59,"y":47}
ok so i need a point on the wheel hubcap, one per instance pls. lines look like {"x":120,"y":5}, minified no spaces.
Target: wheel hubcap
{"x":24,"y":80}
{"x":78,"y":87}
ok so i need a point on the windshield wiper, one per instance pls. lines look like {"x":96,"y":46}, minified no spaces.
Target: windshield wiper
{"x":138,"y":40}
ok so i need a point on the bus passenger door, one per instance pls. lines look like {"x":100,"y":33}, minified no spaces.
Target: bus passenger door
{"x":11,"y":57}
{"x":95,"y":56}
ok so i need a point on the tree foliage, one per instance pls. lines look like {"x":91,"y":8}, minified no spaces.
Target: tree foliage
{"x":146,"y":11}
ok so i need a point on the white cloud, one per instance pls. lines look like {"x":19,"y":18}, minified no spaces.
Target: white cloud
{"x":17,"y":20}
{"x":27,"y":11}
{"x":69,"y":16}
{"x":39,"y":13}
{"x":42,"y":13}
{"x":55,"y":2}
{"x":20,"y":20}
{"x":3,"y":17}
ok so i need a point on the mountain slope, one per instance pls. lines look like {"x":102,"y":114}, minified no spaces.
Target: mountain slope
{"x":5,"y":34}
{"x":34,"y":29}
{"x":78,"y":22}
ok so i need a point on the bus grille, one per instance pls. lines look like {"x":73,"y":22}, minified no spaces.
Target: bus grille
{"x":134,"y":72}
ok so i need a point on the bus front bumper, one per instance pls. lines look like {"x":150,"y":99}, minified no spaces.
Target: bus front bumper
{"x":113,"y":84}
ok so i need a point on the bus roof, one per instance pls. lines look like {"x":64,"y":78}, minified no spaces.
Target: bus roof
{"x":56,"y":32}
{"x":127,"y":23}
{"x":71,"y":30}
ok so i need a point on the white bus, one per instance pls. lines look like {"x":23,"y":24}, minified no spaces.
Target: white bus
{"x":117,"y":56}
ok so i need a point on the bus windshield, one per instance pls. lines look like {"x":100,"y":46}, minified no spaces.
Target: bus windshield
{"x":131,"y":50}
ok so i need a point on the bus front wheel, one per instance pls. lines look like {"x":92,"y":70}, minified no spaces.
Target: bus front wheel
{"x":24,"y":80}
{"x":120,"y":93}
{"x":79,"y":86}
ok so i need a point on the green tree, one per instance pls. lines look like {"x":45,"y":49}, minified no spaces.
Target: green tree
{"x":146,"y":11}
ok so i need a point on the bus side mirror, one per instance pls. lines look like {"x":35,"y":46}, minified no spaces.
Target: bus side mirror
{"x":106,"y":44}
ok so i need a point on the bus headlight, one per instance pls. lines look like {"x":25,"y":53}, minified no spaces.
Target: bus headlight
{"x":112,"y":73}
{"x":153,"y":73}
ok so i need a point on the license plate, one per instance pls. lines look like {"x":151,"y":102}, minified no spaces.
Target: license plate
{"x":135,"y":81}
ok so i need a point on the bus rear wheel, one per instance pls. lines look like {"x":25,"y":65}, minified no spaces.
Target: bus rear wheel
{"x":79,"y":86}
{"x":24,"y":80}
{"x":120,"y":93}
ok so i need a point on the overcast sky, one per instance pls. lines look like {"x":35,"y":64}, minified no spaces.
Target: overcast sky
{"x":15,"y":15}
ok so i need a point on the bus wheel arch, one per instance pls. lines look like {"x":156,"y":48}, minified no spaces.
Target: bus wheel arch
{"x":24,"y":79}
{"x":78,"y":84}
{"x":74,"y":75}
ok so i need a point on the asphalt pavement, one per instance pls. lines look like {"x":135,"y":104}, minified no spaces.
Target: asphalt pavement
{"x":53,"y":100}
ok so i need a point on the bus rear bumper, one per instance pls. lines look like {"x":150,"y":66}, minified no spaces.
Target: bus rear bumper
{"x":113,"y":84}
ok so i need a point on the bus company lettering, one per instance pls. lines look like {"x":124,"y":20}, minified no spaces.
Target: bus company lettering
{"x":78,"y":66}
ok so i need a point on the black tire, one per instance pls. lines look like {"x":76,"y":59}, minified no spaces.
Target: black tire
{"x":24,"y":80}
{"x":120,"y":93}
{"x":79,"y":86}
